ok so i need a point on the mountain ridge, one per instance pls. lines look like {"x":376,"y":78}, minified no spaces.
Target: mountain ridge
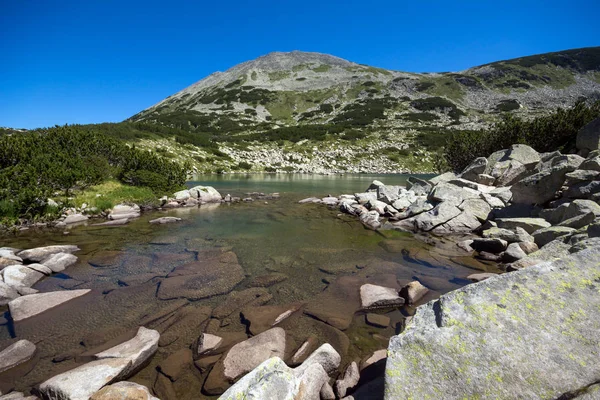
{"x":289,"y":97}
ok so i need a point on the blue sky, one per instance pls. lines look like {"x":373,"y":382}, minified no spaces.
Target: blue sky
{"x":104,"y":60}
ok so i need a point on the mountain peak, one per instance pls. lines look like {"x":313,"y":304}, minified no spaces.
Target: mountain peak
{"x":277,"y":60}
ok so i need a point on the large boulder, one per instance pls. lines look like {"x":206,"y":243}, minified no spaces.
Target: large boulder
{"x":546,"y":235}
{"x":205,"y":194}
{"x":527,"y":334}
{"x":528,"y":224}
{"x":27,"y":306}
{"x":40,"y":253}
{"x":588,"y":137}
{"x":439,"y":215}
{"x":446,"y":191}
{"x":16,"y":354}
{"x":538,"y":188}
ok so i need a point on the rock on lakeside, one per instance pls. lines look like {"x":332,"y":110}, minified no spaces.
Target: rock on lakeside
{"x":529,"y":334}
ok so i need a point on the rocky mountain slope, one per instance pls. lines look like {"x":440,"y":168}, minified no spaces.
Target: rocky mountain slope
{"x":313,"y":112}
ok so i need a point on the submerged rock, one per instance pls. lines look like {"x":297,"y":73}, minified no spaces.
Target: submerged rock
{"x":165,"y":220}
{"x":16,"y":354}
{"x":33,"y":304}
{"x":446,"y":351}
{"x":210,"y":276}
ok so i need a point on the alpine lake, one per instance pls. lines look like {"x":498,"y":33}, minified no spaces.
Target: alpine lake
{"x":305,"y":255}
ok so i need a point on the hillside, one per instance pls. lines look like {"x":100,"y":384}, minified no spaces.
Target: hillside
{"x":314,"y":112}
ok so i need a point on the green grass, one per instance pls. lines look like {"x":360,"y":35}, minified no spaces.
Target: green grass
{"x":108,"y":194}
{"x":279,"y":75}
{"x":322,"y":68}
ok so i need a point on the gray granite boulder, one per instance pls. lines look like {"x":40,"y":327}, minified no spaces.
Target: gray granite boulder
{"x":205,"y":194}
{"x":523,"y":334}
{"x":528,"y":224}
{"x":419,"y":186}
{"x":546,"y":235}
{"x":473,"y":170}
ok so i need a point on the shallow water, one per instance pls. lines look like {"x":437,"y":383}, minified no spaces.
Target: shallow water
{"x":326,"y":256}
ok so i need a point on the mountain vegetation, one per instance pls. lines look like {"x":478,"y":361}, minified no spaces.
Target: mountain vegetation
{"x":296,"y":101}
{"x":52,"y":163}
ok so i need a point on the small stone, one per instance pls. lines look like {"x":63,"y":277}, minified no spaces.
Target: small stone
{"x":373,"y":296}
{"x":481,"y":276}
{"x":165,"y":220}
{"x":413,"y":292}
{"x":377,"y":320}
{"x":350,"y":380}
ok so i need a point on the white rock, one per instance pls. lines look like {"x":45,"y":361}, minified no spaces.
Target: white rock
{"x":30,"y":305}
{"x":75,"y":218}
{"x":379,"y":296}
{"x":59,"y":261}
{"x":16,"y":354}
{"x":40,"y":253}
{"x":20,"y":276}
{"x":136,"y":350}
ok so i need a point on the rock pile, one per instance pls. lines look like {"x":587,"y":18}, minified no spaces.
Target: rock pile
{"x":20,"y":270}
{"x":528,"y":206}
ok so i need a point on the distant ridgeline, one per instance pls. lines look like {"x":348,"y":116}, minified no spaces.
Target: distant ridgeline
{"x":51,"y":163}
{"x":295,"y":96}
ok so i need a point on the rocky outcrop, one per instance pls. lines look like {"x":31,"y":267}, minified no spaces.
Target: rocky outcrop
{"x":526,"y":334}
